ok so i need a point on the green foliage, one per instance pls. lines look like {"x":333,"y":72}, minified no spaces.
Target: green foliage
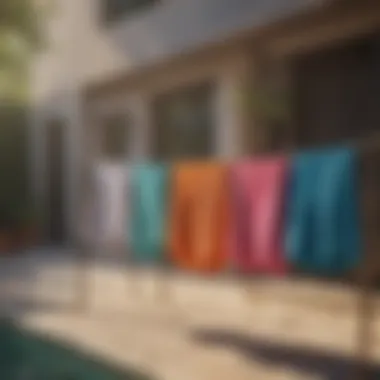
{"x":19,"y":18}
{"x":14,"y":192}
{"x":19,"y":37}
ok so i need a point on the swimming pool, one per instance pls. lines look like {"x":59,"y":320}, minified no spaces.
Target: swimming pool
{"x":25,"y":355}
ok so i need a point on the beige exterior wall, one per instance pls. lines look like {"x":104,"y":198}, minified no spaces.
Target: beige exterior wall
{"x":83,"y":52}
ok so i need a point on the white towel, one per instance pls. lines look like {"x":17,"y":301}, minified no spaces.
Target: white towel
{"x":112,"y":198}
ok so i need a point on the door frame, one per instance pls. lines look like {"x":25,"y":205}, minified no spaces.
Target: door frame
{"x":49,"y":124}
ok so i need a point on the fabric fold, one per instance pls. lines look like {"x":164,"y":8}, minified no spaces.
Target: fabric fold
{"x":258,"y":189}
{"x":323,"y":226}
{"x":199,"y":223}
{"x":112,"y":196}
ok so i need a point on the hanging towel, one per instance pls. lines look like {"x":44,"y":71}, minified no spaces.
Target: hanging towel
{"x":258,"y":189}
{"x":113,"y":186}
{"x":199,"y":223}
{"x":323,"y":226}
{"x":148,"y":211}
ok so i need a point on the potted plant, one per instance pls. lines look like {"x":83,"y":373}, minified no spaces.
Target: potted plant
{"x":5,"y":230}
{"x":28,"y":227}
{"x":10,"y":222}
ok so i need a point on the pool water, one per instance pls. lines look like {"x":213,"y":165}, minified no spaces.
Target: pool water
{"x":27,"y":356}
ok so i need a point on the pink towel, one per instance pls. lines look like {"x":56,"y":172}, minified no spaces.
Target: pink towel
{"x":258,"y":191}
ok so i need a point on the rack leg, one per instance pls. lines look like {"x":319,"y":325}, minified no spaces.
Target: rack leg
{"x":82,"y":288}
{"x":364,"y":331}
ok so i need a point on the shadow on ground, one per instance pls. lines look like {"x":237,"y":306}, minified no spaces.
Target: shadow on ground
{"x":314,"y":362}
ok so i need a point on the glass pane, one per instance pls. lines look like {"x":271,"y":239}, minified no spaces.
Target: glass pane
{"x":184,"y":124}
{"x":115,"y":9}
{"x":115,"y":137}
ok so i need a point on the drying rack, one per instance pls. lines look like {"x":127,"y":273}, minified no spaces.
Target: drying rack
{"x":366,"y":276}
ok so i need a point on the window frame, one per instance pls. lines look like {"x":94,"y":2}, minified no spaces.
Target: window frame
{"x":112,"y":148}
{"x":103,"y":110}
{"x":110,"y":17}
{"x":209,"y":87}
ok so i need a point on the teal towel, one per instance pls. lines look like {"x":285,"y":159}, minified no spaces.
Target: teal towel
{"x":323,"y":226}
{"x":148,"y":204}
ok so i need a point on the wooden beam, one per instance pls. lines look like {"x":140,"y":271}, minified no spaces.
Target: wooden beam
{"x":325,"y":29}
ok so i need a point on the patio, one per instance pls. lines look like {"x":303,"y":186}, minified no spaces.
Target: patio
{"x":175,"y":327}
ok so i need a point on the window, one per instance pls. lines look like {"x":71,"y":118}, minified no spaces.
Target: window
{"x":184,"y":124}
{"x":337,"y":92}
{"x":114,"y":10}
{"x":114,"y":137}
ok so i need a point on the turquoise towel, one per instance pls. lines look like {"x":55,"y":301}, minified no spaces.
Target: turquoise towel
{"x":322,"y":232}
{"x":149,"y":186}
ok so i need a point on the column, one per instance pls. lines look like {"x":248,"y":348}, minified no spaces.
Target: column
{"x":141,"y":125}
{"x":231,"y":115}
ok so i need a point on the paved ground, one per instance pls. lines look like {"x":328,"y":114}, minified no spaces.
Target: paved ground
{"x":175,"y":327}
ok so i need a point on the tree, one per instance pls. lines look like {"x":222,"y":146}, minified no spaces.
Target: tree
{"x":19,"y":36}
{"x":18,"y":17}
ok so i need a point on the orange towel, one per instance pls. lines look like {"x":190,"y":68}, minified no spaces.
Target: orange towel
{"x":200,"y":217}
